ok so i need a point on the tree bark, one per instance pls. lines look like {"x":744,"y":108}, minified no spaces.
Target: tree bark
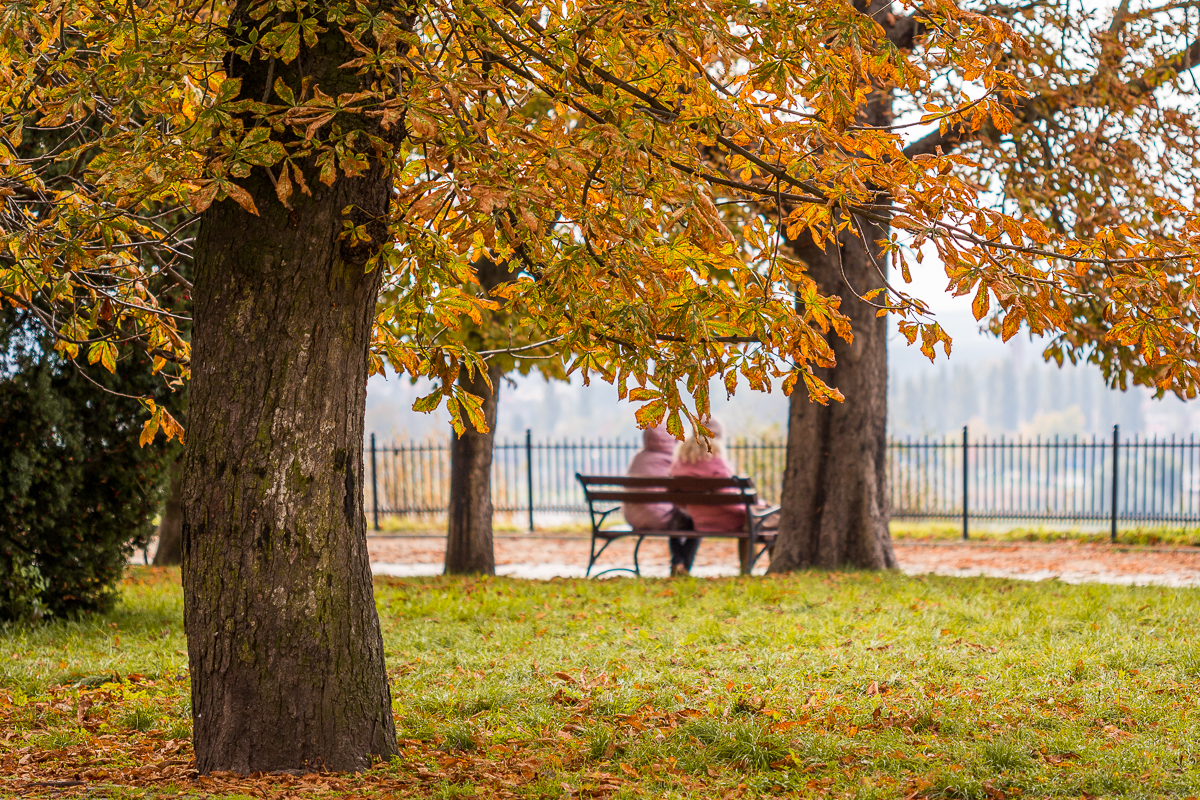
{"x":470,"y":548}
{"x":834,"y":498}
{"x":469,"y":544}
{"x":287,"y":661}
{"x":834,"y":501}
{"x":170,"y":527}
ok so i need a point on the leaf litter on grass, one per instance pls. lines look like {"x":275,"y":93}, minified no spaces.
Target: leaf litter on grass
{"x":853,"y":685}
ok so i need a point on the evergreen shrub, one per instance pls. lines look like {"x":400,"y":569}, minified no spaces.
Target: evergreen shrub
{"x":77,"y":493}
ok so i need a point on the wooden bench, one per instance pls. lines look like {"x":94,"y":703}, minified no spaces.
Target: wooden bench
{"x":605,"y":494}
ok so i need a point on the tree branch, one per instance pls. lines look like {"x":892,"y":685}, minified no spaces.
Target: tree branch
{"x":1032,"y":108}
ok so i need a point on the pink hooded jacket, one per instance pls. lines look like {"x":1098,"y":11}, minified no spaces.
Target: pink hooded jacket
{"x":652,"y":461}
{"x":711,"y":518}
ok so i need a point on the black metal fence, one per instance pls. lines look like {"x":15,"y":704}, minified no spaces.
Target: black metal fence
{"x":1090,"y":480}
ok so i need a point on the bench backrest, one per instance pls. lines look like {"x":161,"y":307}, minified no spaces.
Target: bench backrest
{"x":733,"y":491}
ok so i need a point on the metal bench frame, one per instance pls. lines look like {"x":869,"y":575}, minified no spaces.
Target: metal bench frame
{"x":733,"y":491}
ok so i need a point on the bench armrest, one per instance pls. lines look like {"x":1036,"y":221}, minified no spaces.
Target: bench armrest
{"x":759,"y":515}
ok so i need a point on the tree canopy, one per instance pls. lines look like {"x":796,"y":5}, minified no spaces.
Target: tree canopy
{"x":636,"y":165}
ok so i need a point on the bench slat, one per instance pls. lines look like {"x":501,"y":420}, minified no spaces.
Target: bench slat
{"x":677,"y":498}
{"x":684,"y":483}
{"x":762,"y":536}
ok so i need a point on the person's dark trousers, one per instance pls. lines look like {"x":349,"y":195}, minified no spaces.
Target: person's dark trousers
{"x":683,"y":551}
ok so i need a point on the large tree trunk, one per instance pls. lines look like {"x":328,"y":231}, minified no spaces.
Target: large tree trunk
{"x":835,"y":499}
{"x":287,"y":662}
{"x":469,"y":546}
{"x":170,"y":527}
{"x":835,"y":504}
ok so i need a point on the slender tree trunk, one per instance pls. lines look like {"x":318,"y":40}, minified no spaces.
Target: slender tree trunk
{"x":287,"y":662}
{"x":170,"y":528}
{"x":835,"y":504}
{"x":469,"y":545}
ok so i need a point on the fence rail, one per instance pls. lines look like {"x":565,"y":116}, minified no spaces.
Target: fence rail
{"x":1059,"y":479}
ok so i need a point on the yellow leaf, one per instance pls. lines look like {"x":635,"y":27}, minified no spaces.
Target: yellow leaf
{"x":981,"y":303}
{"x":151,"y":427}
{"x":108,"y":356}
{"x":1012,"y":324}
{"x":649,"y":415}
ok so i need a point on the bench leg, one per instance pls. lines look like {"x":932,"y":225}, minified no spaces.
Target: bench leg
{"x":596,"y":557}
{"x":746,"y":555}
{"x":637,"y":570}
{"x":595,"y":554}
{"x":756,"y":556}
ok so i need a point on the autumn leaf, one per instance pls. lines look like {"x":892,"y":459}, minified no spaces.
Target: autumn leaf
{"x":979,"y":306}
{"x":240,"y":196}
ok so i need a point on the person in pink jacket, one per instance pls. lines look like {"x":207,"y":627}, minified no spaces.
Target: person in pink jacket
{"x":654,"y":461}
{"x":702,"y":457}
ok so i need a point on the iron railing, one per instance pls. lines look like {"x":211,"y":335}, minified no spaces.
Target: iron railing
{"x":1047,"y":480}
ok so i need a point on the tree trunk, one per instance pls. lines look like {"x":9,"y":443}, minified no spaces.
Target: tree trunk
{"x":835,"y":499}
{"x":469,"y":546}
{"x":170,"y":527}
{"x":287,"y":662}
{"x":835,"y":503}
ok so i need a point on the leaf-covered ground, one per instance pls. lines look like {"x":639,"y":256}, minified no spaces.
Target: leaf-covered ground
{"x":844,"y":685}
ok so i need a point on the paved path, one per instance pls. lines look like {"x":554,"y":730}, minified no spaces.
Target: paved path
{"x":548,"y":556}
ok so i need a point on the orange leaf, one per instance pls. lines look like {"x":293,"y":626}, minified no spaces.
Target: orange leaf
{"x":283,"y":187}
{"x":981,"y":304}
{"x":241,"y":197}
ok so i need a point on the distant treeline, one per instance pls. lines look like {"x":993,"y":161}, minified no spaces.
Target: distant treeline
{"x":1006,"y":397}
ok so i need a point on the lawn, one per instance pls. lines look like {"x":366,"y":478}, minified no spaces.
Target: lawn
{"x":847,"y":685}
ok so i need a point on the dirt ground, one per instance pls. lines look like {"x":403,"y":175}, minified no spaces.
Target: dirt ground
{"x":549,"y":555}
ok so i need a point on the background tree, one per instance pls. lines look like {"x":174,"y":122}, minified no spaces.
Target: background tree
{"x":1098,"y":152}
{"x":469,"y":543}
{"x":336,"y":148}
{"x":169,"y":551}
{"x":77,"y":494}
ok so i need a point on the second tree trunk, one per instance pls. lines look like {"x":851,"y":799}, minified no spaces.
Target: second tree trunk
{"x":469,"y":546}
{"x":835,"y":505}
{"x":170,"y":527}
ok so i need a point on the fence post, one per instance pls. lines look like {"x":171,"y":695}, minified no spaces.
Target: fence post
{"x":966,"y":494}
{"x":529,"y":473}
{"x":1115,"y":462}
{"x":374,"y":487}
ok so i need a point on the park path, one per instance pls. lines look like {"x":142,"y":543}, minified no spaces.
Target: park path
{"x":549,"y":555}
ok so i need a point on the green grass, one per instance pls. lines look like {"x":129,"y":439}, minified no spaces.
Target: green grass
{"x":853,"y":685}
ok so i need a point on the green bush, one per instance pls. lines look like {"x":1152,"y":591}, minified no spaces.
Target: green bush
{"x":22,"y":587}
{"x":77,"y":492}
